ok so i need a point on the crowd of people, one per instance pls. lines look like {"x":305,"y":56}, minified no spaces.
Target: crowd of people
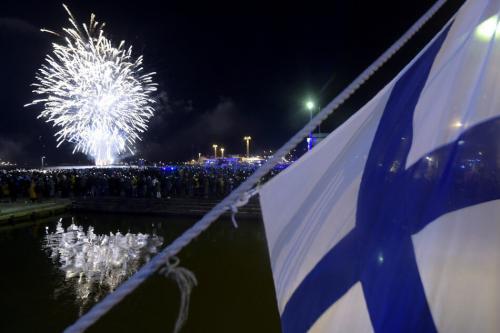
{"x":193,"y":181}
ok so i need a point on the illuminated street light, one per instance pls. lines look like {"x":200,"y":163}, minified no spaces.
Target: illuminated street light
{"x":215,"y":150}
{"x":310,"y":106}
{"x":222,"y":152}
{"x":247,"y":139}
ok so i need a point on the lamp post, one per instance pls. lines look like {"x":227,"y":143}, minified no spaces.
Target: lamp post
{"x":215,"y":150}
{"x":222,"y":152}
{"x":247,"y":139}
{"x":310,"y":107}
{"x":43,"y":158}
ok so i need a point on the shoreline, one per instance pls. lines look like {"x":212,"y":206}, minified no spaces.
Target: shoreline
{"x":22,"y":211}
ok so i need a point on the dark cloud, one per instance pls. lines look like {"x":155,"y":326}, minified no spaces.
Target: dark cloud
{"x":180,"y":129}
{"x":217,"y":123}
{"x":11,"y":150}
{"x":263,"y":63}
{"x":15,"y":25}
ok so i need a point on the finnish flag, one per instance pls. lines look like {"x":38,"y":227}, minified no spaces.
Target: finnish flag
{"x":392,"y":223}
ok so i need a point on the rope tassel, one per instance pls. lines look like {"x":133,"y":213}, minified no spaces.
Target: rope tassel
{"x":186,"y":280}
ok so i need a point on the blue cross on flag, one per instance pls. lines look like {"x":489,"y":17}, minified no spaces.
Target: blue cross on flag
{"x":392,"y":223}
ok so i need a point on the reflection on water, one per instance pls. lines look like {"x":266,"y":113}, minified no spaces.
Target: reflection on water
{"x":232,"y":266}
{"x":96,"y":264}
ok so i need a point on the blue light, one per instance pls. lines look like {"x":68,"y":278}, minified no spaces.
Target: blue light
{"x":380,"y":258}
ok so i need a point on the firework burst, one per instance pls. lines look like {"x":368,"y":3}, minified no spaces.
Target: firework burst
{"x":96,"y":94}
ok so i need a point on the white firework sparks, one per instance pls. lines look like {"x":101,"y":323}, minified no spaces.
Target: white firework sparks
{"x":101,"y":262}
{"x":96,"y":93}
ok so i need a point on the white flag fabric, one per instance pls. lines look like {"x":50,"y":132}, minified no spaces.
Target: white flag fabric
{"x":392,"y":223}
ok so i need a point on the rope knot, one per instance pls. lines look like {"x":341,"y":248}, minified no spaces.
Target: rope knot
{"x":240,"y":202}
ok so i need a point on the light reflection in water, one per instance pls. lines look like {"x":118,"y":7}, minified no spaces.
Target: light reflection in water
{"x":96,"y":264}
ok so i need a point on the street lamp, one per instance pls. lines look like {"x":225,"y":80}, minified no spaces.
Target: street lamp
{"x":43,"y":158}
{"x":310,"y":107}
{"x":222,"y":152}
{"x":215,"y":150}
{"x":247,"y":139}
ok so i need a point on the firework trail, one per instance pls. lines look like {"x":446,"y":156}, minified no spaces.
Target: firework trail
{"x":96,"y":94}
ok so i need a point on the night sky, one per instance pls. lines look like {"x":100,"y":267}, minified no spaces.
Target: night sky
{"x":223,"y":71}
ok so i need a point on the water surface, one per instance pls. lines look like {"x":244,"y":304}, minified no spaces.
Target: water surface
{"x":235,"y":291}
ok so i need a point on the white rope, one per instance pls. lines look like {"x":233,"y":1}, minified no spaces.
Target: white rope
{"x":161,"y":258}
{"x":186,"y":280}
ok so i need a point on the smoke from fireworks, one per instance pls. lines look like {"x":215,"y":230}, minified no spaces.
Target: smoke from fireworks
{"x":95,"y":93}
